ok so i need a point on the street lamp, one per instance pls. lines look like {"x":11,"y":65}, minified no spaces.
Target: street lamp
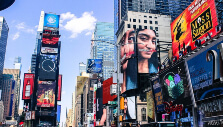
{"x":118,"y":71}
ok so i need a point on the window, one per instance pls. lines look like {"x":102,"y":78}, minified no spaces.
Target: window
{"x":145,"y":16}
{"x":151,"y":28}
{"x":157,"y":34}
{"x":145,"y":21}
{"x":139,"y":20}
{"x":150,"y":17}
{"x":156,"y":22}
{"x":129,"y":26}
{"x":155,"y":17}
{"x":145,"y":27}
{"x":140,"y":27}
{"x":134,"y":20}
{"x":130,"y":19}
{"x":150,"y":22}
{"x":134,"y":26}
{"x":156,"y":28}
{"x":143,"y":112}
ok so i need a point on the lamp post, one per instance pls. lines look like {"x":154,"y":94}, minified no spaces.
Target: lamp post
{"x":118,"y":71}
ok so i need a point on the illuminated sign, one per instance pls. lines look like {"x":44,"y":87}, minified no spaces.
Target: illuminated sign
{"x":51,"y":20}
{"x":169,"y":107}
{"x":197,"y":22}
{"x":94,"y":66}
{"x":28,"y":85}
{"x":59,"y":88}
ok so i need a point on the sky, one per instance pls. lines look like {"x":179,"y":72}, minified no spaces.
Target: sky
{"x":77,"y":22}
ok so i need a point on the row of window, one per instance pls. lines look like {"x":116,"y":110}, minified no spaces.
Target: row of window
{"x":145,"y":21}
{"x":145,"y":27}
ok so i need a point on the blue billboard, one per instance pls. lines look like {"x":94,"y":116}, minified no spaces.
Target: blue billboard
{"x":58,"y":113}
{"x":94,"y":65}
{"x":206,"y":70}
{"x":12,"y":97}
{"x":51,"y":20}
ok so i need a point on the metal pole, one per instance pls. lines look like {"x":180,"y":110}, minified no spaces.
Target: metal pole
{"x":118,"y":86}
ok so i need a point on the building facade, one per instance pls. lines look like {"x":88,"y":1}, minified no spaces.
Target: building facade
{"x":4,"y":30}
{"x":102,"y":47}
{"x":82,"y":67}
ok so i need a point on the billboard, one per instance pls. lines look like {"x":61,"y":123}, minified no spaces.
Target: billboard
{"x":99,"y":103}
{"x":150,"y":106}
{"x":129,"y":108}
{"x":94,"y":65}
{"x":128,"y":61}
{"x":46,"y":94}
{"x":94,"y":103}
{"x":106,"y":91}
{"x":158,"y":94}
{"x":28,"y":85}
{"x":175,"y":87}
{"x":59,"y":88}
{"x":58,"y":113}
{"x":51,"y":20}
{"x":197,"y":22}
{"x":48,"y":67}
{"x":13,"y":94}
{"x":206,"y":69}
{"x":81,"y":80}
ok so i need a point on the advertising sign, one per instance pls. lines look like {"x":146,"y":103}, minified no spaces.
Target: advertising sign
{"x":128,"y":61}
{"x":13,"y":92}
{"x":94,"y":66}
{"x":81,"y":80}
{"x":28,"y":85}
{"x":206,"y":69}
{"x":58,"y":113}
{"x":197,"y":22}
{"x":51,"y":20}
{"x":150,"y":106}
{"x":94,"y":106}
{"x":175,"y":88}
{"x":158,"y":95}
{"x":46,"y":94}
{"x":99,"y":103}
{"x":28,"y":115}
{"x":129,"y":108}
{"x":50,"y":40}
{"x":48,"y":67}
{"x":59,"y":88}
{"x":106,"y":91}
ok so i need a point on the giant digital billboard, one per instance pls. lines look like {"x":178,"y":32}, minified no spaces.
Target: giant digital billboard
{"x":28,"y":85}
{"x":175,"y":88}
{"x":48,"y":67}
{"x":128,"y":61}
{"x":46,"y":94}
{"x":94,"y":65}
{"x":150,"y":106}
{"x":206,"y":70}
{"x":50,"y":40}
{"x":51,"y":20}
{"x":197,"y":22}
{"x":129,"y":108}
{"x":158,"y":94}
{"x":81,"y":80}
{"x":59,"y":88}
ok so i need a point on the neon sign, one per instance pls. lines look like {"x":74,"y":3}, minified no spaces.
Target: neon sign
{"x":169,"y":107}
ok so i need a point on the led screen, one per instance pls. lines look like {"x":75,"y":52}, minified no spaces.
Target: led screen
{"x":46,"y":94}
{"x":28,"y":85}
{"x":59,"y":88}
{"x":48,"y":67}
{"x":58,"y":113}
{"x":129,"y":108}
{"x":198,"y":21}
{"x":206,"y":69}
{"x":128,"y":61}
{"x":94,"y":65}
{"x":51,"y":20}
{"x":175,"y":86}
{"x":158,"y":94}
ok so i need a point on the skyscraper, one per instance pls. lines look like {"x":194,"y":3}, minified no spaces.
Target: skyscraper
{"x":4,"y":30}
{"x":103,"y":47}
{"x":82,"y":67}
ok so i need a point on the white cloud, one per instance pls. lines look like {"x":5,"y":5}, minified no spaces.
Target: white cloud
{"x":16,"y":36}
{"x":23,"y":27}
{"x":85,"y":23}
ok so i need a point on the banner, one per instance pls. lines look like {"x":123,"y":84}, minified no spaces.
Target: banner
{"x":51,"y":20}
{"x":59,"y":88}
{"x":81,"y":80}
{"x":197,"y":22}
{"x":150,"y":106}
{"x":94,"y":66}
{"x":28,"y":85}
{"x":58,"y":113}
{"x":46,"y":94}
{"x":13,"y":94}
{"x":206,"y":70}
{"x":158,"y":95}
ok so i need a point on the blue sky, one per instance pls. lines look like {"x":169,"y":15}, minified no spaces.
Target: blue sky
{"x":78,"y":18}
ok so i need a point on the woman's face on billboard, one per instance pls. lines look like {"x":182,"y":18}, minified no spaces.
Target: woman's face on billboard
{"x":146,"y":41}
{"x":125,"y":105}
{"x":127,"y":47}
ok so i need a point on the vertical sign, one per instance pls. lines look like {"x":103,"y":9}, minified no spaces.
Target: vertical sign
{"x":28,"y":85}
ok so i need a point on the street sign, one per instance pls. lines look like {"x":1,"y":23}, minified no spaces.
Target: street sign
{"x":112,"y":102}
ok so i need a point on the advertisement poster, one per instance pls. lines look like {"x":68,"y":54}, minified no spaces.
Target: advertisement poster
{"x":51,"y":20}
{"x":12,"y":97}
{"x":206,"y":70}
{"x":158,"y":95}
{"x":94,"y":66}
{"x":150,"y":106}
{"x":59,"y":88}
{"x":197,"y":22}
{"x":46,"y":94}
{"x":58,"y":113}
{"x":81,"y":80}
{"x":50,"y":39}
{"x":28,"y":85}
{"x":48,"y":67}
{"x":175,"y":88}
{"x":129,"y":108}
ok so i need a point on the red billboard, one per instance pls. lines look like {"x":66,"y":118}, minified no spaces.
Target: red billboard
{"x":59,"y":88}
{"x":28,"y":85}
{"x":106,"y":91}
{"x":197,"y":24}
{"x":46,"y":94}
